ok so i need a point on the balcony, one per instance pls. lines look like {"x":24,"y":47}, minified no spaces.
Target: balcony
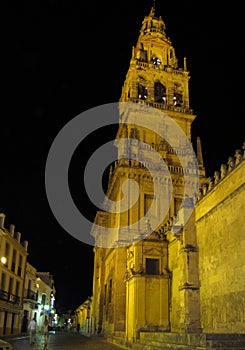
{"x":164,"y":106}
{"x":30,"y":295}
{"x":9,"y":297}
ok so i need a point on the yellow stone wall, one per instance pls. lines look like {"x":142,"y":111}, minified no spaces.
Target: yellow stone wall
{"x":108,"y":313}
{"x":147,"y":300}
{"x":220,"y":229}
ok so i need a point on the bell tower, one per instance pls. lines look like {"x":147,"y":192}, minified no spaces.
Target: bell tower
{"x":146,"y":267}
{"x":154,"y":76}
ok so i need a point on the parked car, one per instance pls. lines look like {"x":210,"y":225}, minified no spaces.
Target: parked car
{"x":4,"y":345}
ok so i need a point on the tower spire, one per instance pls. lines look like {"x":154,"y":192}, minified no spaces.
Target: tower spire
{"x":153,"y":8}
{"x":199,"y":152}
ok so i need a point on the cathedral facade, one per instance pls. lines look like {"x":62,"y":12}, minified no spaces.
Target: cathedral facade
{"x":171,"y":272}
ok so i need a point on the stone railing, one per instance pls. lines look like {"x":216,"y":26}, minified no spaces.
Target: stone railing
{"x":162,"y":67}
{"x":131,"y":163}
{"x":164,"y":106}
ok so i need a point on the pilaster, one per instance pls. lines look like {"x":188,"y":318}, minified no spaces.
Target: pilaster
{"x":189,"y":286}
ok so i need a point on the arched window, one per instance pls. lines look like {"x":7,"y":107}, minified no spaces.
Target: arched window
{"x":178,"y":96}
{"x":177,"y":99}
{"x":142,"y":54}
{"x":159,"y":93}
{"x":142,"y":92}
{"x":156,"y":60}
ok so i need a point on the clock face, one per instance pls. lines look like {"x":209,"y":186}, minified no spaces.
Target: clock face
{"x":156,"y":60}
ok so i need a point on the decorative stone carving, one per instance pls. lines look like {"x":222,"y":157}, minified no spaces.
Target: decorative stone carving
{"x":230,"y":163}
{"x":223,"y":171}
{"x":238,"y":156}
{"x":130,"y":254}
{"x":200,"y":193}
{"x":216,"y":177}
{"x":153,"y":236}
{"x":153,"y":251}
{"x":148,"y":225}
{"x":205,"y":187}
{"x":210,"y":183}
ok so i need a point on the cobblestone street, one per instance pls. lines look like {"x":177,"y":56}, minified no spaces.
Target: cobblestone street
{"x":63,"y":341}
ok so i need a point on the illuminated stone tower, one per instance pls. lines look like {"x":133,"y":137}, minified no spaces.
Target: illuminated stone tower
{"x":154,"y":75}
{"x":146,"y":275}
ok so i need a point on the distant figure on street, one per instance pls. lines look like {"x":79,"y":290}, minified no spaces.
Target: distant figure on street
{"x":32,"y":330}
{"x":45,"y":332}
{"x":78,"y":327}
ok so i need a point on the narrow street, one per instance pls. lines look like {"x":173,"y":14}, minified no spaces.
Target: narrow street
{"x":63,"y":341}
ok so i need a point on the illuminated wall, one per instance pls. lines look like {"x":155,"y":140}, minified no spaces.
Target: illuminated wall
{"x":220,"y":229}
{"x":13,"y":255}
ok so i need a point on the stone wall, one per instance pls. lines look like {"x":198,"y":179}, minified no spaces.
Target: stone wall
{"x":220,"y":229}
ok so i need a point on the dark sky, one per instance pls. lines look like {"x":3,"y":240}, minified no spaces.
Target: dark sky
{"x":62,"y":57}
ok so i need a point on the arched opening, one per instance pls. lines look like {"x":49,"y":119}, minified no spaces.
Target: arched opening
{"x":159,"y":92}
{"x":142,"y":92}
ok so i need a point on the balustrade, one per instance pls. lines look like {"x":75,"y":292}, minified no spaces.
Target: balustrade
{"x":9,"y":297}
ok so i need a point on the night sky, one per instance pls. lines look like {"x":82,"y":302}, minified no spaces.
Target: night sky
{"x":63,"y":57}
